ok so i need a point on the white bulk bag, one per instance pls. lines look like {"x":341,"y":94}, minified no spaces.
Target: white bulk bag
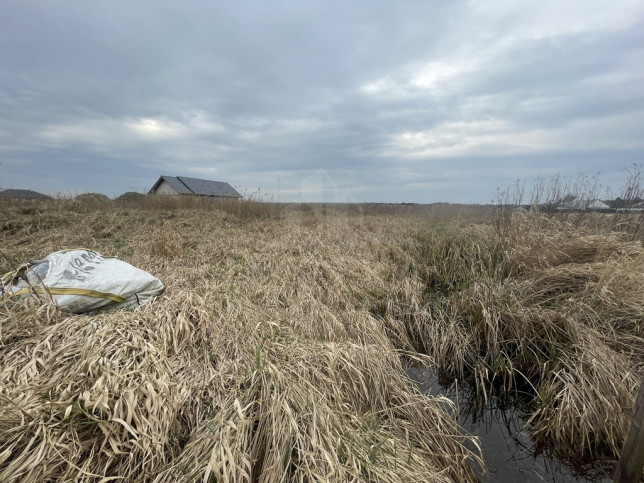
{"x":82,"y":280}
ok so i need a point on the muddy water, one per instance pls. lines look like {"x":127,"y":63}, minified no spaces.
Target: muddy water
{"x":508,"y":451}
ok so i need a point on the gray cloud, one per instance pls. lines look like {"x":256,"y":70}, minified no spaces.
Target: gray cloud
{"x":426,"y":101}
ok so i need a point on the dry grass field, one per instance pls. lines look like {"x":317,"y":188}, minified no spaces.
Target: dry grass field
{"x":276,"y":352}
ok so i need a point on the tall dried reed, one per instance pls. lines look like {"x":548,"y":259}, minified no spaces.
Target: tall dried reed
{"x":550,"y":309}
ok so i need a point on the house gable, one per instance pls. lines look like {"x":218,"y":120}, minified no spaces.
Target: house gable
{"x":182,"y":185}
{"x":169,"y":185}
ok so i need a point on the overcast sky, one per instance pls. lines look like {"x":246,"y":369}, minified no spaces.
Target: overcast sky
{"x":395,"y":101}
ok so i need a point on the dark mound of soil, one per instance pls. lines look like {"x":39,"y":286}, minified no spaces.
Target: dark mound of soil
{"x":131,"y":196}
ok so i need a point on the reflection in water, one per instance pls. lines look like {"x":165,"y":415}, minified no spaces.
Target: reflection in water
{"x":507,"y":448}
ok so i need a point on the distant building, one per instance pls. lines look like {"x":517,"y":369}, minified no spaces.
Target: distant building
{"x":572,"y":203}
{"x":183,"y":186}
{"x":638,"y":206}
{"x":633,"y":208}
{"x":23,"y":195}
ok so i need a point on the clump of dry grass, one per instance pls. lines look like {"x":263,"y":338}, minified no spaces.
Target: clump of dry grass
{"x":20,"y":321}
{"x":275,"y":352}
{"x":164,"y":242}
{"x":553,"y":311}
{"x":585,"y":399}
{"x":284,"y":424}
{"x":262,"y":360}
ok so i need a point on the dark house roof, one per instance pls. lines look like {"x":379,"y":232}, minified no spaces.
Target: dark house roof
{"x":200,"y":187}
{"x":23,"y":194}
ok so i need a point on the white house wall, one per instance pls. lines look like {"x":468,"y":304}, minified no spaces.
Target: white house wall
{"x":165,"y":188}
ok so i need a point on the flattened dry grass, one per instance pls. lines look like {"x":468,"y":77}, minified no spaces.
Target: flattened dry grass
{"x":327,"y":412}
{"x":275,"y":352}
{"x":263,"y":360}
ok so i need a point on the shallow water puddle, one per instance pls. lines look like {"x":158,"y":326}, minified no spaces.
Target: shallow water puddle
{"x":508,"y":450}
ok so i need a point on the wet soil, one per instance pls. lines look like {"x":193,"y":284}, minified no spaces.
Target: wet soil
{"x":508,"y":451}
